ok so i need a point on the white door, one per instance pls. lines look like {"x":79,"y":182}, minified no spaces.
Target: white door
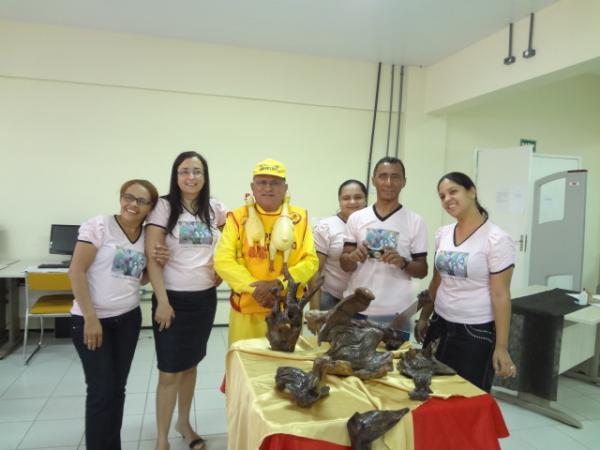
{"x":558,"y":230}
{"x":503,"y":188}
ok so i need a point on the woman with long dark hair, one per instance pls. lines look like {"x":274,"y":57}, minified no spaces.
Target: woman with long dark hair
{"x":329,"y":243}
{"x":184,"y":303}
{"x":470,"y":290}
{"x":106,"y":272}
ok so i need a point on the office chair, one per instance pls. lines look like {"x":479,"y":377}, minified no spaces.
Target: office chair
{"x":56,"y":301}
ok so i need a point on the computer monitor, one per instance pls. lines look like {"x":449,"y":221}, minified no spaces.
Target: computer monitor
{"x":63,"y":239}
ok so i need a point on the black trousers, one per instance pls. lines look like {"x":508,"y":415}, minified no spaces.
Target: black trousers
{"x":106,"y":370}
{"x":466,"y":348}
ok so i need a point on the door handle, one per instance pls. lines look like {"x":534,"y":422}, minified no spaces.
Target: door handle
{"x":522,"y":242}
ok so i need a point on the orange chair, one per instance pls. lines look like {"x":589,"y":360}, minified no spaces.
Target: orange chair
{"x":55,"y":301}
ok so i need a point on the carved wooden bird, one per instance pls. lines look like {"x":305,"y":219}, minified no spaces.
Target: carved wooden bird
{"x":366,"y":427}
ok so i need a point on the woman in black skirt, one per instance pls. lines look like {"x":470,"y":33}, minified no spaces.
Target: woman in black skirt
{"x":187,"y":220}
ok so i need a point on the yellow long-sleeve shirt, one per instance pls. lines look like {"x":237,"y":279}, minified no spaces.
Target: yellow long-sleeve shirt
{"x":239,"y":265}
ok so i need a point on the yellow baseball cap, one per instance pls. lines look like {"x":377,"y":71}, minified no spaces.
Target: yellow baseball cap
{"x":269,"y":167}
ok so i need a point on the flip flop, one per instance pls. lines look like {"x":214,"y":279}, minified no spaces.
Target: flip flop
{"x":196,"y":442}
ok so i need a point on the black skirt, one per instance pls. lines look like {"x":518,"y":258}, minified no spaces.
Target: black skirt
{"x":183,"y":345}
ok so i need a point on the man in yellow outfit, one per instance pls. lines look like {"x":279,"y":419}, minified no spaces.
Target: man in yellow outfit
{"x":245,"y":268}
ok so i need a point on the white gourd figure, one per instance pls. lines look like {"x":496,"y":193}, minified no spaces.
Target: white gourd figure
{"x":255,"y":230}
{"x":282,"y":236}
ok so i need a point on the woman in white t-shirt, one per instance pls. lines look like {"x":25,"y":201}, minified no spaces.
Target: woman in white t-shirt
{"x":184,"y":303}
{"x":106,"y":271}
{"x":329,"y":242}
{"x":470,"y":290}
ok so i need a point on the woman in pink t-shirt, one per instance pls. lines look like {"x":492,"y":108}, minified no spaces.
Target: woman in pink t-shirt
{"x":329,"y":242}
{"x":184,"y":303}
{"x":107,"y":268}
{"x":469,"y":294}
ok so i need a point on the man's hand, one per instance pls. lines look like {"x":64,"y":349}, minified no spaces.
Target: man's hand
{"x":263,"y":292}
{"x":359,"y":254}
{"x":391,"y":256}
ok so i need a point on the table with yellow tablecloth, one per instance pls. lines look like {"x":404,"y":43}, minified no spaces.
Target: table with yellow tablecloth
{"x":261,"y":417}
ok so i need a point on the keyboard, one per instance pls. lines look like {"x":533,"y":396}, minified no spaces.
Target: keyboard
{"x":54,"y":266}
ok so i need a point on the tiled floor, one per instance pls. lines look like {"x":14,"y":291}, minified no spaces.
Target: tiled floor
{"x":42,"y":405}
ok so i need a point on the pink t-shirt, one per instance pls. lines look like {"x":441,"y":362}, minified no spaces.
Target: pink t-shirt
{"x":114,"y":275}
{"x":403,"y":230}
{"x":328,"y":235}
{"x":464,"y":293}
{"x":191,"y":245}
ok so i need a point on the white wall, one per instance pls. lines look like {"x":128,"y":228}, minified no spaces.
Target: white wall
{"x":82,"y":111}
{"x":566,"y":34}
{"x":562,"y":117}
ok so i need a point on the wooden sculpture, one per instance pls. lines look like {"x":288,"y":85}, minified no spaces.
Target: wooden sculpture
{"x":352,"y":348}
{"x":305,"y":387}
{"x":284,"y":323}
{"x":366,"y":427}
{"x":421,"y":365}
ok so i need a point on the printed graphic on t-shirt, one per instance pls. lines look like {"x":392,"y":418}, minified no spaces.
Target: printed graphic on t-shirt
{"x":194,"y":233}
{"x":128,"y":263}
{"x":452,"y":263}
{"x":377,"y":239}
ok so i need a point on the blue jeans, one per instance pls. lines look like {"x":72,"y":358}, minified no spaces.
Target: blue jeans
{"x":327,"y":301}
{"x":106,"y":370}
{"x":466,"y":348}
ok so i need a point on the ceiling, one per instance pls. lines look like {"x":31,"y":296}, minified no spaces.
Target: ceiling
{"x":415,"y":32}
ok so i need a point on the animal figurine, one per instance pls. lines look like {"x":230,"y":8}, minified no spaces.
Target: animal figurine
{"x":421,"y":365}
{"x":284,"y":323}
{"x":282,"y":236}
{"x":366,"y":427}
{"x":255,"y":230}
{"x":305,"y":387}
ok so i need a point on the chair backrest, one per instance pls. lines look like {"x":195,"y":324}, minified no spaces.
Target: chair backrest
{"x":48,"y":281}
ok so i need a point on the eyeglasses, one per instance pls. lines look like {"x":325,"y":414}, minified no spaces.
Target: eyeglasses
{"x":265,"y":183}
{"x":139,"y":200}
{"x":187,"y":172}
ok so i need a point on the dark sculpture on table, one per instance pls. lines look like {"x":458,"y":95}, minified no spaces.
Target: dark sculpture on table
{"x":305,"y":387}
{"x":366,"y":427}
{"x":353,"y":348}
{"x":421,"y":365}
{"x":285,"y":321}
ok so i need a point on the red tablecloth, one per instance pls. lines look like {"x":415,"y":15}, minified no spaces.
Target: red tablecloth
{"x":457,"y":423}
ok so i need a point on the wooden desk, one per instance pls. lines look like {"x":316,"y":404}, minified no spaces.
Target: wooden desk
{"x":10,"y":333}
{"x":10,"y":323}
{"x":259,"y":417}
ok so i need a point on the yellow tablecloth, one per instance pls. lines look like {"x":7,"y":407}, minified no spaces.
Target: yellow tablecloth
{"x":255,"y":409}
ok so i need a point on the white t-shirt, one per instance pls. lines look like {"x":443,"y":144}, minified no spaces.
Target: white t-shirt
{"x":328,"y":235}
{"x":191,"y":245}
{"x":114,"y":275}
{"x":464,"y":293}
{"x":403,"y":230}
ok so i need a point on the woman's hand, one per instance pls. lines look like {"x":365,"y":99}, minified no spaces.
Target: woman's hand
{"x":217,"y":279}
{"x":92,"y":333}
{"x":164,"y":315}
{"x":161,"y":254}
{"x":421,"y":327}
{"x":503,"y":364}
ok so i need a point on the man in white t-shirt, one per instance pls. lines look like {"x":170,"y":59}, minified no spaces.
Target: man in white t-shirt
{"x":385,"y":246}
